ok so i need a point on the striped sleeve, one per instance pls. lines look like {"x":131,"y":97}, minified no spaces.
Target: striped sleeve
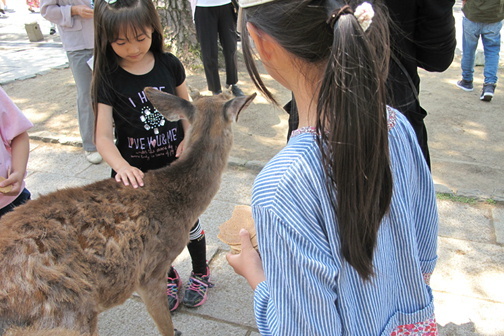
{"x":418,"y":179}
{"x":300,"y":295}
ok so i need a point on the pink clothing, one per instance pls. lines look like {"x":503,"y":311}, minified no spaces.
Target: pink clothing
{"x":12,"y":123}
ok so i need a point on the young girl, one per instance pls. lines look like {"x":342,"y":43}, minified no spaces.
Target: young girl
{"x":129,"y":56}
{"x":346,"y":213}
{"x":14,"y":150}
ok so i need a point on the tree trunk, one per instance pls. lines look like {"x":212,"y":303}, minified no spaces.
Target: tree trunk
{"x":179,"y":30}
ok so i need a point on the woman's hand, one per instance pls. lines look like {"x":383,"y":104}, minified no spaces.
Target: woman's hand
{"x":248,"y":263}
{"x":130,"y":175}
{"x":83,"y":11}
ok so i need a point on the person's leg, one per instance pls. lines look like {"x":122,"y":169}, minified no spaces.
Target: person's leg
{"x":24,"y":197}
{"x":228,"y":40}
{"x":491,"y":39}
{"x":205,"y":20}
{"x":197,"y":249}
{"x":469,"y":44}
{"x":196,"y":290}
{"x":82,"y":75}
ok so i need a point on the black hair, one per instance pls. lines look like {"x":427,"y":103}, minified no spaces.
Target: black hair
{"x":351,"y":107}
{"x":110,"y":17}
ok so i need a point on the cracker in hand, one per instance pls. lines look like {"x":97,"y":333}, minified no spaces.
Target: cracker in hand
{"x":4,"y":190}
{"x":229,"y":231}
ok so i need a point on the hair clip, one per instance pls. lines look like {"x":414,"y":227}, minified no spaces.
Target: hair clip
{"x":364,"y":14}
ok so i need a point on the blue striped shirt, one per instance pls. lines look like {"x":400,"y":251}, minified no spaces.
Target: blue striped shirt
{"x":310,"y":289}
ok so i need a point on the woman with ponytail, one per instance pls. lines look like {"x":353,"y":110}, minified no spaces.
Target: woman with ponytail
{"x":346,"y":213}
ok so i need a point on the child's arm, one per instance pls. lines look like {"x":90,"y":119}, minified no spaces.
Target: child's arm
{"x":20,"y":146}
{"x":108,"y":150}
{"x":182,"y":92}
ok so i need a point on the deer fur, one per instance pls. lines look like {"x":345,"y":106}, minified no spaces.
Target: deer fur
{"x":32,"y":332}
{"x":74,"y":253}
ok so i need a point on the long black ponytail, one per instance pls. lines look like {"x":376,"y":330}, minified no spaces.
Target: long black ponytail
{"x":351,"y":107}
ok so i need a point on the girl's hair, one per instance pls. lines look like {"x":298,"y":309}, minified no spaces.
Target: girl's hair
{"x":112,"y":17}
{"x":351,"y":107}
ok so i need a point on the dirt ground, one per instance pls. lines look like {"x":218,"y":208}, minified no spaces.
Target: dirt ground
{"x":49,"y":101}
{"x":465,"y":134}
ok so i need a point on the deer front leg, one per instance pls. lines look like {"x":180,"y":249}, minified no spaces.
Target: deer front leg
{"x":153,"y":294}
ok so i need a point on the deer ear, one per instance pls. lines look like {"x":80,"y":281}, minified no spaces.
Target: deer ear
{"x":236,"y":105}
{"x":170,"y":106}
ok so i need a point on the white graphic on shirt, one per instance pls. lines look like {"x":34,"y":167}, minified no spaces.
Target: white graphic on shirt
{"x":152,"y":119}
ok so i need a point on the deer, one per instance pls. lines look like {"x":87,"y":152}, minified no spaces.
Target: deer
{"x":71,"y":254}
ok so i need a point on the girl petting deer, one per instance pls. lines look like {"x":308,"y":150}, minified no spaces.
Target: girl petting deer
{"x":131,"y":135}
{"x":345,"y":214}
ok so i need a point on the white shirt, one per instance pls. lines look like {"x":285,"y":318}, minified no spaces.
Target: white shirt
{"x":212,"y":3}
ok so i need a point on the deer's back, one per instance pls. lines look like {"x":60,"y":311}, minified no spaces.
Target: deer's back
{"x":59,"y":246}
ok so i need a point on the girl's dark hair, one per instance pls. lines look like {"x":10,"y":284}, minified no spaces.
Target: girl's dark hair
{"x":109,"y":20}
{"x":351,"y":108}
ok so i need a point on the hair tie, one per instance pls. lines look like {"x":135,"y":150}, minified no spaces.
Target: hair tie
{"x":364,"y":14}
{"x":337,"y":13}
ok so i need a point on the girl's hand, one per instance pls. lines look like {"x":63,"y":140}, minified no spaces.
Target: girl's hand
{"x":16,"y":181}
{"x":180,"y":148}
{"x":248,"y":262}
{"x":130,"y":175}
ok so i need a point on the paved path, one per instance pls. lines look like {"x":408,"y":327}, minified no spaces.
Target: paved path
{"x":468,"y":279}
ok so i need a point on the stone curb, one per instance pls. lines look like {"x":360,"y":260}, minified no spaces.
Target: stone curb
{"x":256,"y":165}
{"x":40,"y":73}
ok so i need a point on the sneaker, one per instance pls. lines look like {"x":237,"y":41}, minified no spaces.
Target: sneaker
{"x":237,"y":92}
{"x":196,"y":289}
{"x":172,"y":288}
{"x":218,"y":92}
{"x":465,"y":85}
{"x":487,"y":92}
{"x":94,"y":157}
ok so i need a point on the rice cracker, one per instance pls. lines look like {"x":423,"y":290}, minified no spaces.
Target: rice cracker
{"x":229,"y":231}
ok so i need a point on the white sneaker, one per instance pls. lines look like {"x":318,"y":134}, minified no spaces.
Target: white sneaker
{"x":93,"y":157}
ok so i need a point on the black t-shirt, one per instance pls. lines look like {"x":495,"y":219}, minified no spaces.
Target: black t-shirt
{"x":143,"y":136}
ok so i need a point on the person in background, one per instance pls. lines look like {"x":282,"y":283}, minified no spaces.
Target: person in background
{"x":215,"y":21}
{"x":415,"y":43}
{"x":3,"y":7}
{"x":74,"y":19}
{"x":131,"y":134}
{"x":482,"y":18}
{"x":345,"y":214}
{"x":14,"y":151}
{"x":422,"y":36}
{"x":32,"y":5}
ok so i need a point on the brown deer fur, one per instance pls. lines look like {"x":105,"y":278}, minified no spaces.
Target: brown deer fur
{"x":31,"y":332}
{"x":71,"y":254}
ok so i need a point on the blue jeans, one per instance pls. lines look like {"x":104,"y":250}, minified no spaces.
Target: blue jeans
{"x":21,"y":199}
{"x":490,"y":36}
